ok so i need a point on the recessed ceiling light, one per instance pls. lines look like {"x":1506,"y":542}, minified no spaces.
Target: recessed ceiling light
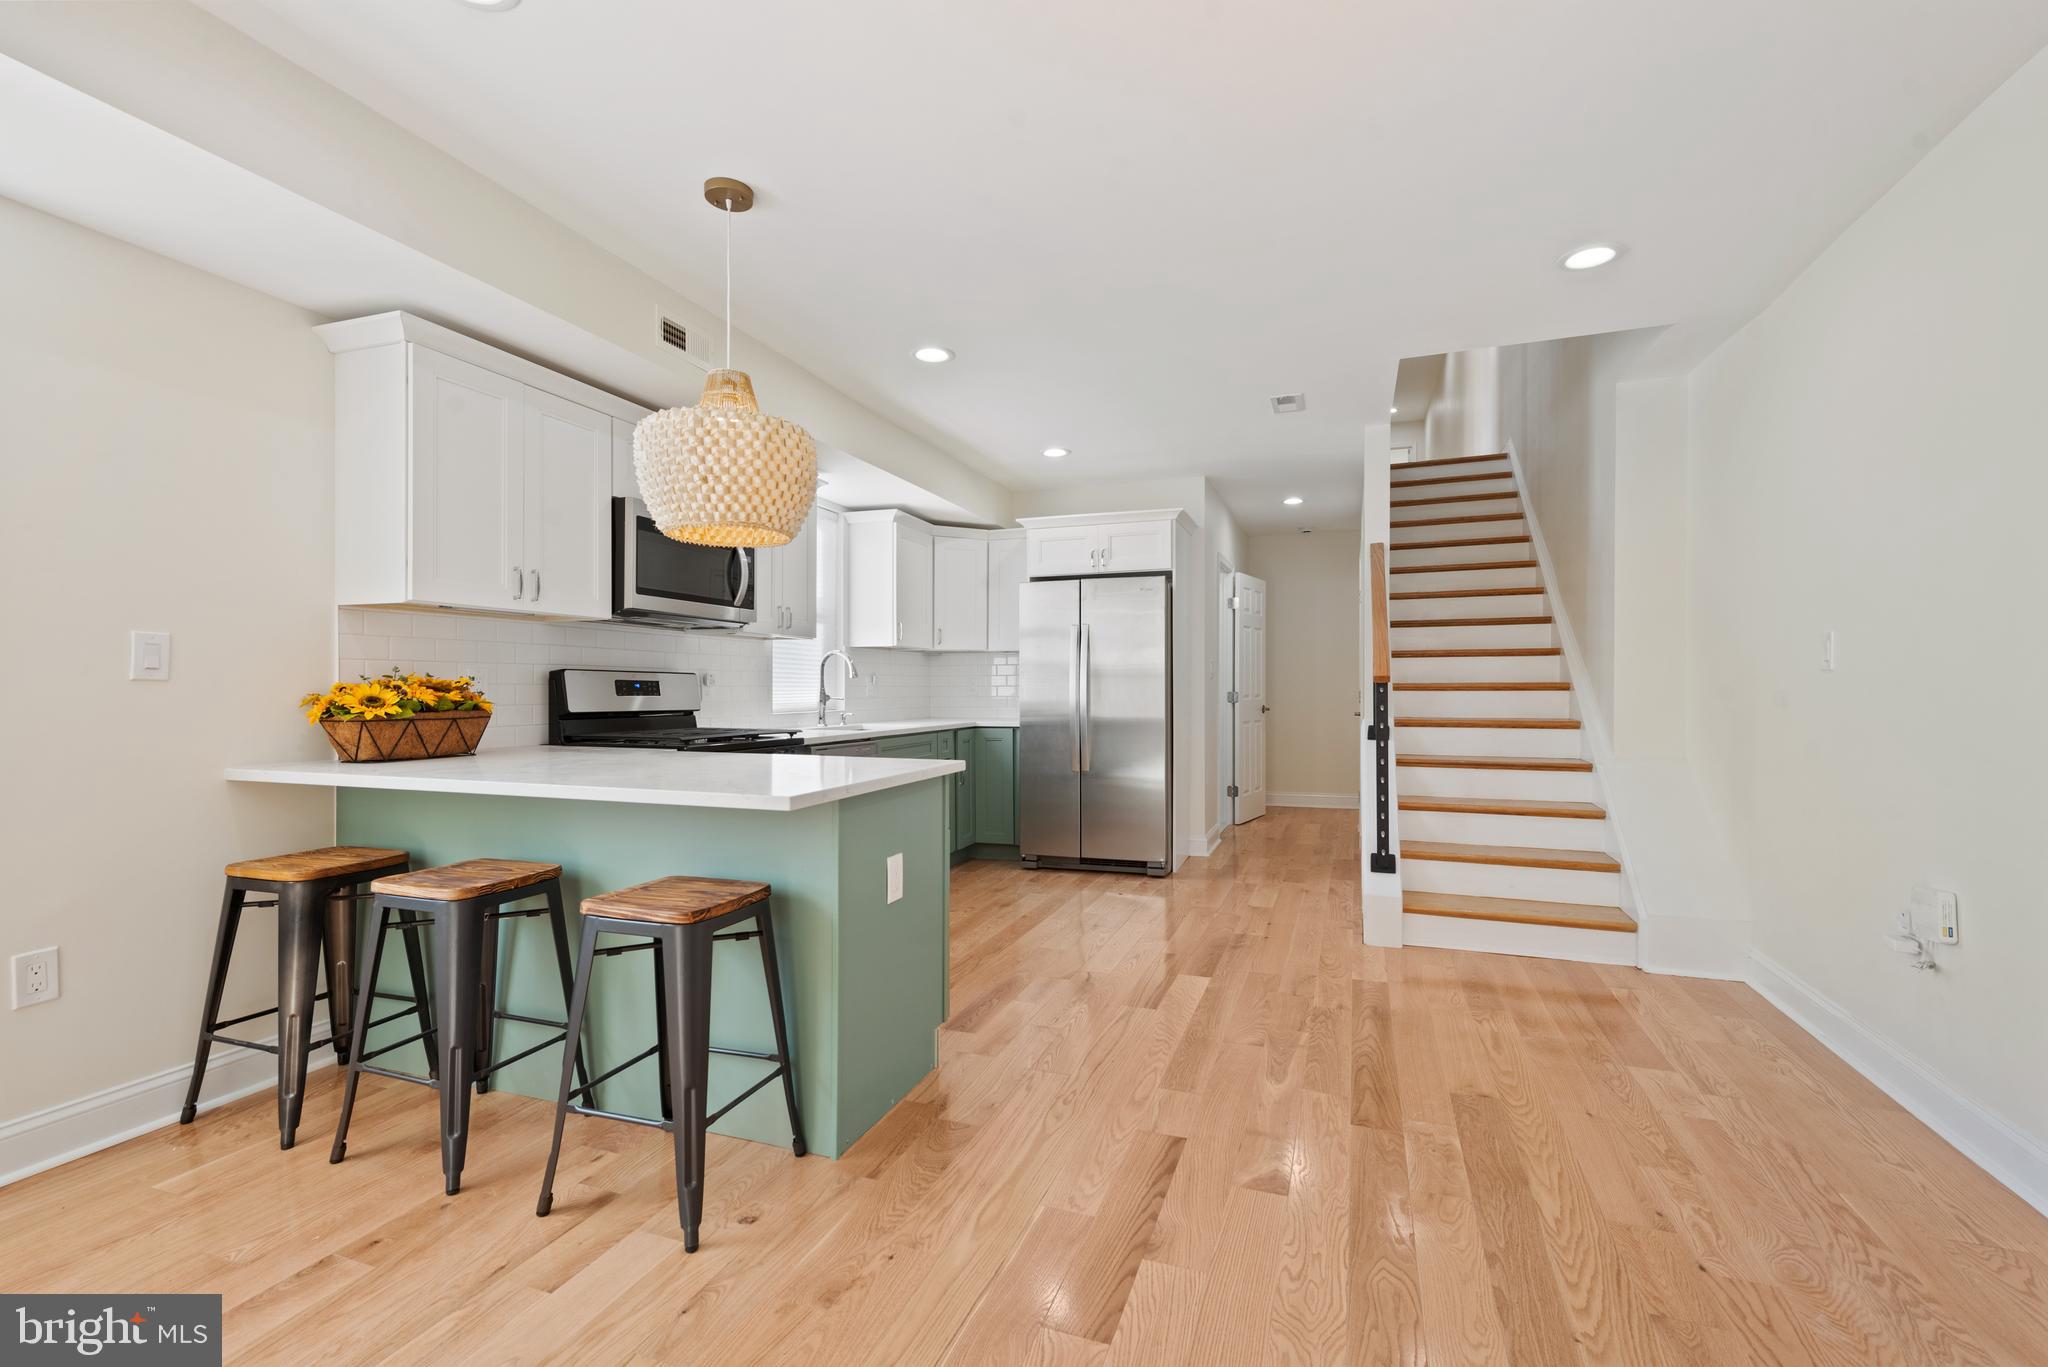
{"x":1291,"y":500}
{"x":1587,"y":257}
{"x":1055,"y":452}
{"x":932,"y":355}
{"x":490,"y":4}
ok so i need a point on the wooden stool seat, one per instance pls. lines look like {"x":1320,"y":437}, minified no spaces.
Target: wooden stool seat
{"x":334,"y":861}
{"x":676,"y":901}
{"x":472,"y":878}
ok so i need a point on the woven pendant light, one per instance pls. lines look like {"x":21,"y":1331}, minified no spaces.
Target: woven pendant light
{"x":724,"y":473}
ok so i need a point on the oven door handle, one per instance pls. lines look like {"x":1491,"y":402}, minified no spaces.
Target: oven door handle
{"x":746,"y":576}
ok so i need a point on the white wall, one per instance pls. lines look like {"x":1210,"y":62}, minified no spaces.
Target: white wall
{"x":1312,"y":684}
{"x":1464,"y":417}
{"x":1867,"y":458}
{"x":169,"y":465}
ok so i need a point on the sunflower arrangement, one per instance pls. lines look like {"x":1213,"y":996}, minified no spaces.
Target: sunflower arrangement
{"x":394,"y":695}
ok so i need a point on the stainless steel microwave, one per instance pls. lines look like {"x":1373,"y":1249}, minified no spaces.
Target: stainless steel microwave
{"x":661,"y":581}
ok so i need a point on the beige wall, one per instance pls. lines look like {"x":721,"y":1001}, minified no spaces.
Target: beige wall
{"x":1312,"y":624}
{"x":1867,"y":458}
{"x":169,"y":466}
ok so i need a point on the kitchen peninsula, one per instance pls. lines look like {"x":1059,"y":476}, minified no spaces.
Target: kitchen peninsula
{"x":864,"y":975}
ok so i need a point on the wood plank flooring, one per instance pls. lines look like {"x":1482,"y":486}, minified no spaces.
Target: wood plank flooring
{"x":1190,"y":1121}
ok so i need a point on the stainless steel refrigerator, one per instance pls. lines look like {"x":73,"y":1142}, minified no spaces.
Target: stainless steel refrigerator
{"x":1095,"y":740}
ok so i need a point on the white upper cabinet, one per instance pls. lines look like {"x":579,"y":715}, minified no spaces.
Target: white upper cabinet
{"x":786,"y":586}
{"x":888,"y":580}
{"x":1119,"y":543}
{"x":469,"y":477}
{"x":959,"y":592}
{"x":468,"y":468}
{"x":567,"y":553}
{"x":1005,"y":580}
{"x":1056,"y":551}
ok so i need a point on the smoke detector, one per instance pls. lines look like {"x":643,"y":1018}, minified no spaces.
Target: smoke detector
{"x":1289,"y":403}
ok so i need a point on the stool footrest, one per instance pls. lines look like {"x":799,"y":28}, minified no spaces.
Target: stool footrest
{"x":621,"y":1115}
{"x":394,"y":1016}
{"x":395,"y":1074}
{"x":383,"y":1049}
{"x":530,"y":1020}
{"x":215,"y":1038}
{"x":719,"y":1114}
{"x":747,"y":1053}
{"x":591,"y":1085}
{"x":503,"y":1062}
{"x":257,"y":1015}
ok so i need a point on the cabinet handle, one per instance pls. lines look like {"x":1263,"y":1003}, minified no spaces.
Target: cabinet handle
{"x":941,"y":633}
{"x":899,"y":631}
{"x":518,"y":584}
{"x":536,"y":585}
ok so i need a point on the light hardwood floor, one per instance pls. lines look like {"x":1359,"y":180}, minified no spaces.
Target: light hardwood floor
{"x":1191,"y":1121}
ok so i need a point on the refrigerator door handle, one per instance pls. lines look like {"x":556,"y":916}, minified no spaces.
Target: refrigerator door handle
{"x":1087,"y":704}
{"x":1074,"y":696}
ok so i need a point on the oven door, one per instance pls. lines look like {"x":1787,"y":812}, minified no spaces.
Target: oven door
{"x":654,"y":578}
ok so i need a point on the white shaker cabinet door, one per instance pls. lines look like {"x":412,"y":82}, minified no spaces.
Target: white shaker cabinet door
{"x":567,"y":549}
{"x":467,"y":469}
{"x":1005,"y":580}
{"x":959,"y":593}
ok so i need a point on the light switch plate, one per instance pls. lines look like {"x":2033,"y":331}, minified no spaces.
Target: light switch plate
{"x":149,"y":655}
{"x":895,"y":878}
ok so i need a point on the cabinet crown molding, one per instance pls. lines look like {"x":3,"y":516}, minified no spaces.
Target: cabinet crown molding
{"x":1178,"y":516}
{"x":387,"y":329}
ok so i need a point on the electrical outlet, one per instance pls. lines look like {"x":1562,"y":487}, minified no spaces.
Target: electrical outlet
{"x":35,"y":977}
{"x":1948,"y":931}
{"x":1903,"y":922}
{"x":895,"y":878}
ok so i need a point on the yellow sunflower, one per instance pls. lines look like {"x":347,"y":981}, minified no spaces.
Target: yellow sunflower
{"x":374,"y":700}
{"x":422,"y":691}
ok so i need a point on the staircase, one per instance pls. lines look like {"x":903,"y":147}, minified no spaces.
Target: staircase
{"x":1504,"y":843}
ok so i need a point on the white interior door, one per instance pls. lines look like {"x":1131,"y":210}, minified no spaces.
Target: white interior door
{"x":1249,"y":685}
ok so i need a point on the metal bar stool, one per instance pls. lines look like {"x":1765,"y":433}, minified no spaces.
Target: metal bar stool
{"x":680,"y":919}
{"x":314,"y":892}
{"x":462,"y":904}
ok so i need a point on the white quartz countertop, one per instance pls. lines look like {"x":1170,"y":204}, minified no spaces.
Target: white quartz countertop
{"x":765,"y":783}
{"x":860,"y":730}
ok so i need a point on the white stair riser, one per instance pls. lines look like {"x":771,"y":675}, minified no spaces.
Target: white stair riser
{"x":1466,"y":828}
{"x":1460,"y":555}
{"x":1408,"y":507}
{"x":1491,"y":605}
{"x":1465,"y":579}
{"x":1507,"y":937}
{"x":1408,"y":471}
{"x":1480,"y":668}
{"x":1473,"y":638}
{"x":1486,"y":740}
{"x":1434,"y":530}
{"x":1502,"y":484}
{"x":1490,"y":703}
{"x":1548,"y":785}
{"x":1496,"y":880}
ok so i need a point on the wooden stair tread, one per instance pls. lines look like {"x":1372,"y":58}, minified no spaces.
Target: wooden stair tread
{"x":1450,"y":498}
{"x":1547,"y":764}
{"x":1470,"y":622}
{"x":1577,"y":915}
{"x":1449,"y":522}
{"x":1512,"y":591}
{"x":1464,"y":654}
{"x":1450,"y":479}
{"x":1446,"y":460}
{"x":1487,"y":686}
{"x":1468,"y":541}
{"x":1465,"y":567}
{"x":1494,"y":723}
{"x":1512,"y":856}
{"x":1505,"y":806}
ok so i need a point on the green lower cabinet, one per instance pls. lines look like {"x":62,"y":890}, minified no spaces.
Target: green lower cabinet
{"x":994,"y":771}
{"x":965,"y":750}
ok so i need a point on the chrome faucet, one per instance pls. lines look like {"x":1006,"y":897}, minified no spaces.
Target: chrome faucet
{"x":824,"y":693}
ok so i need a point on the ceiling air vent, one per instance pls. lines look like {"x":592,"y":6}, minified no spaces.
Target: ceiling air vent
{"x":675,"y":335}
{"x":1289,"y":403}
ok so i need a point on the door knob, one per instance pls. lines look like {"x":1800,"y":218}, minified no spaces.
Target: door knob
{"x":1264,"y":708}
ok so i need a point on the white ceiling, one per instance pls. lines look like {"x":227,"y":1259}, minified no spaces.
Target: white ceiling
{"x":1135,"y":222}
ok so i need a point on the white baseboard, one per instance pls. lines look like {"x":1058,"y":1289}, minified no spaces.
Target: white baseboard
{"x":1513,"y":937}
{"x":1202,"y":846}
{"x":1993,"y":1143}
{"x":1694,"y":947}
{"x":1341,"y":800}
{"x":73,"y":1129}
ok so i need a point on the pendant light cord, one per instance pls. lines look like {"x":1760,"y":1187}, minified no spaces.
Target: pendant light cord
{"x":728,"y":282}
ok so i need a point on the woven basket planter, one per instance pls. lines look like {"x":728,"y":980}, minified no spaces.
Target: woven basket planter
{"x":423,"y":735}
